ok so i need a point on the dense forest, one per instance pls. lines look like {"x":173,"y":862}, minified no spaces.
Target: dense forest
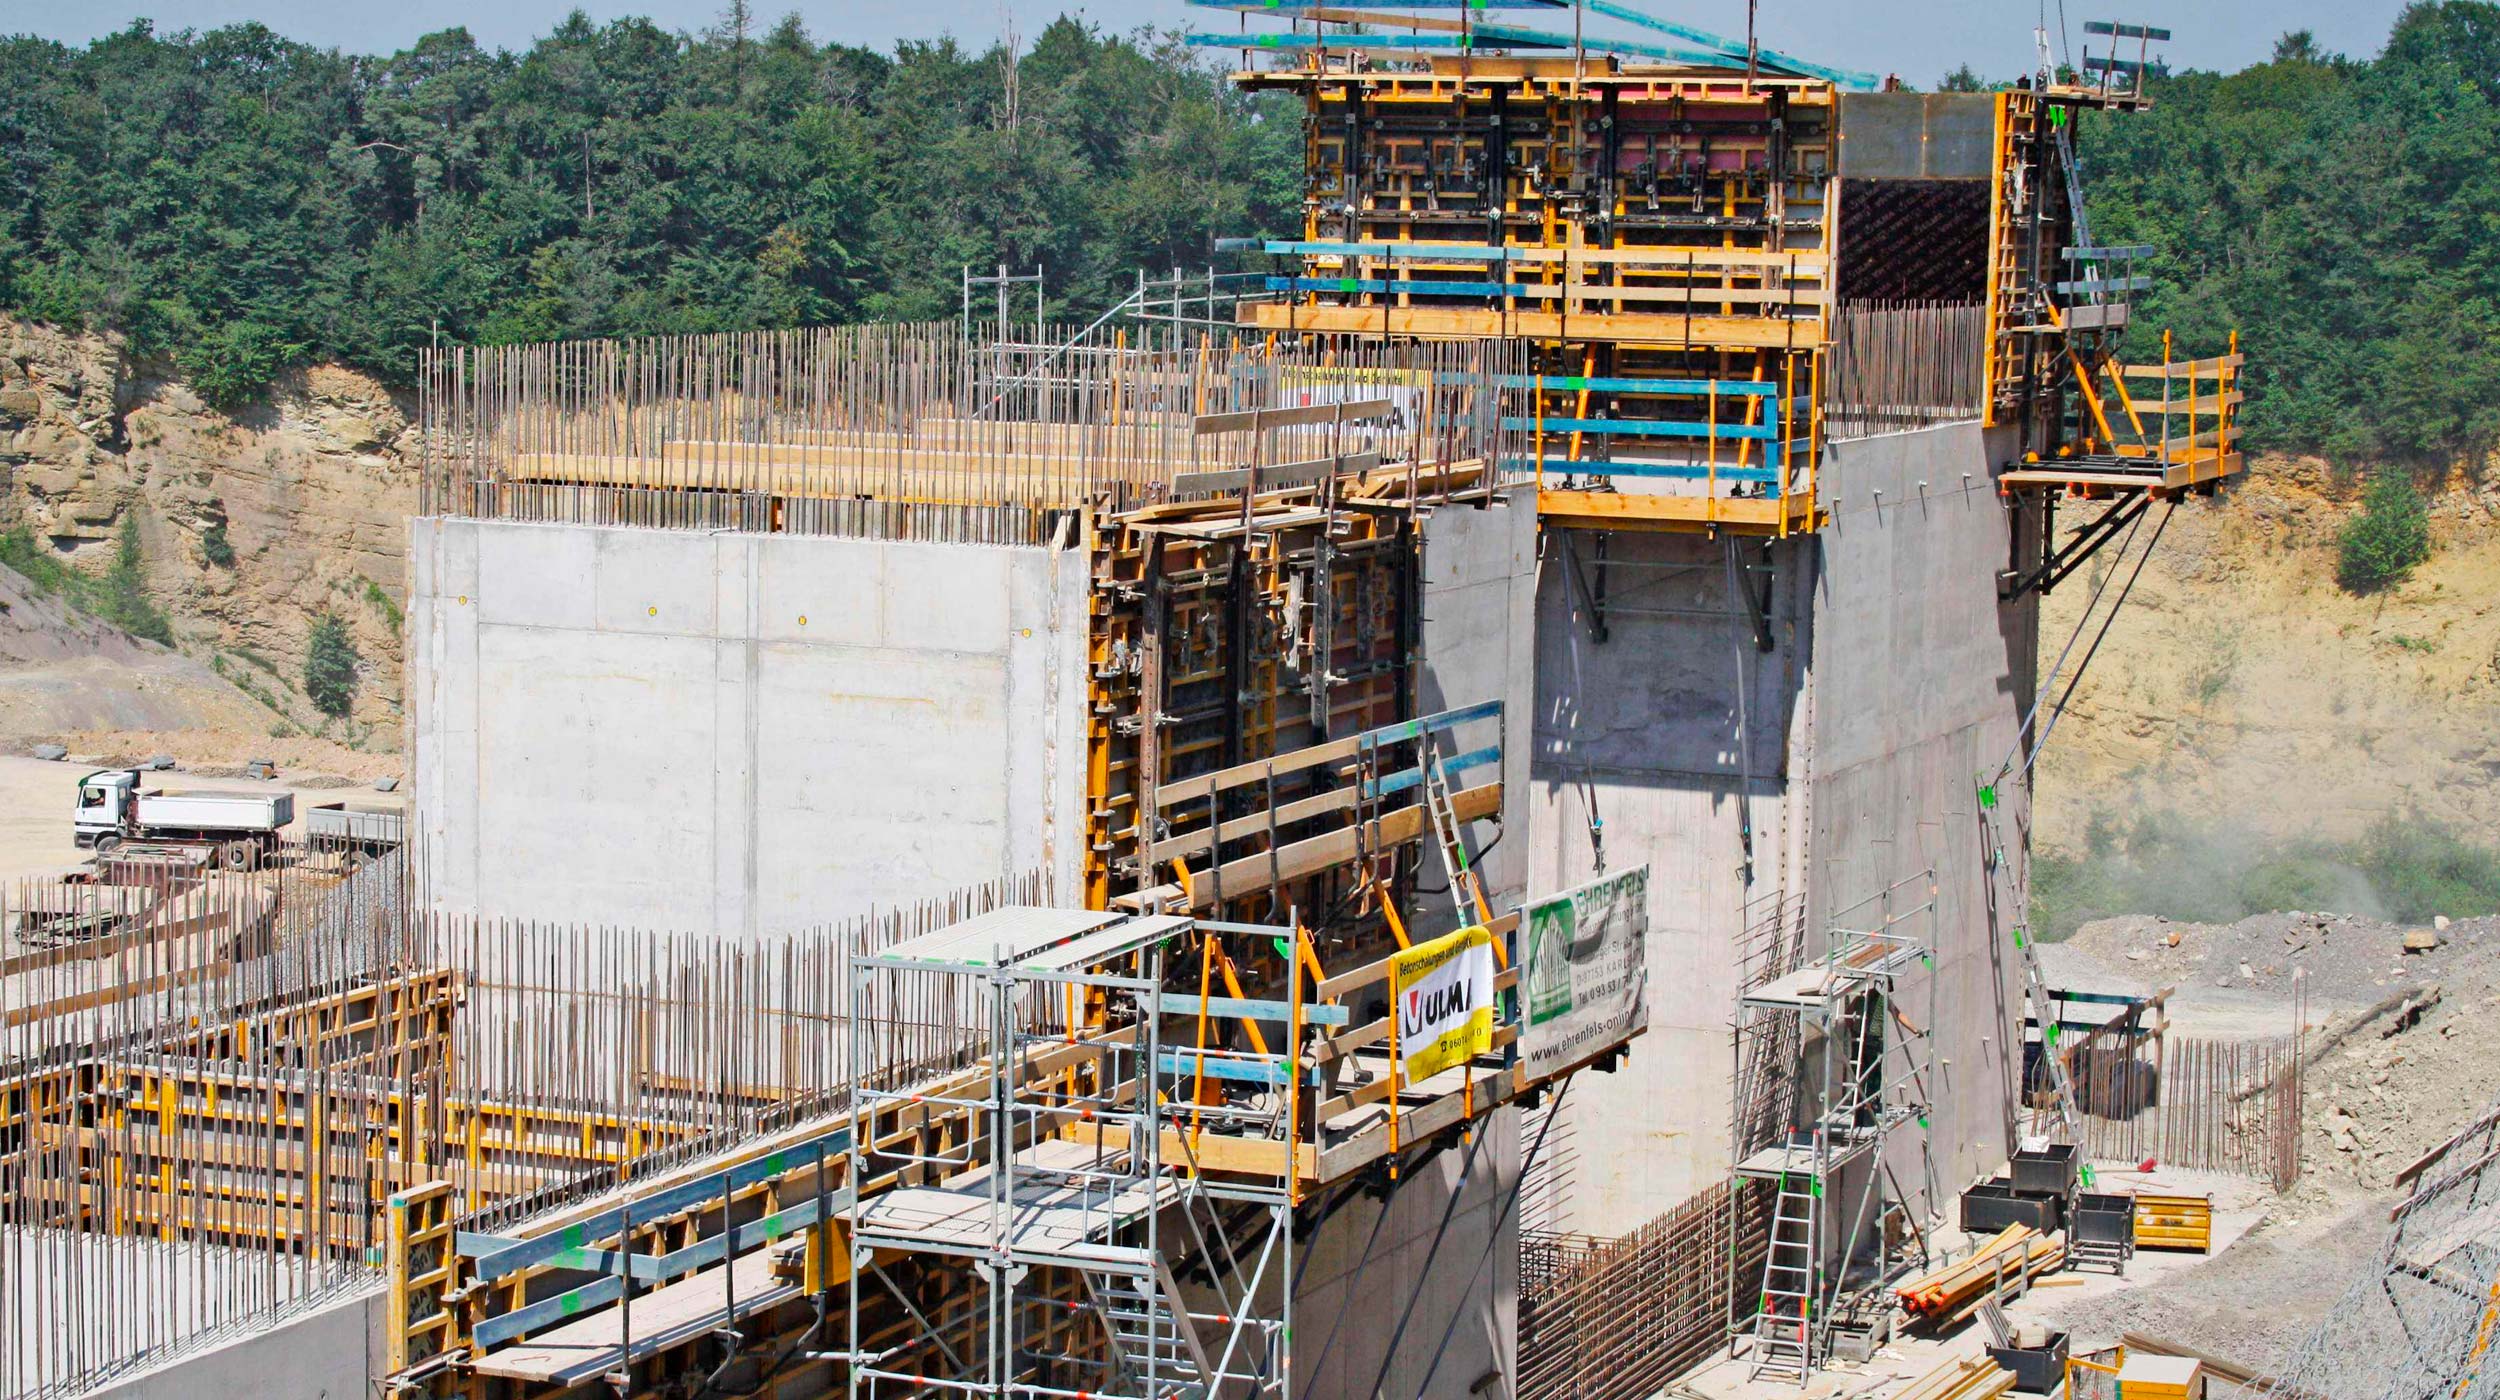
{"x":236,"y":202}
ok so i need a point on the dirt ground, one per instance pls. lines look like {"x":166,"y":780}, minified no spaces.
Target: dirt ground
{"x":36,"y":798}
{"x":2095,"y":1306}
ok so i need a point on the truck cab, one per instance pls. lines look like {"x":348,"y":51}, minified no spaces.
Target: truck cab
{"x":106,"y":805}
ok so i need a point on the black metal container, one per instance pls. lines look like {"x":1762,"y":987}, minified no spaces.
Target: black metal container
{"x":2037,"y":1370}
{"x":1992,"y":1205}
{"x":2047,"y":1172}
{"x":2104,"y":1219}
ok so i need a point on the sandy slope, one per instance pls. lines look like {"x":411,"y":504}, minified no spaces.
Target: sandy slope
{"x":2241,"y":684}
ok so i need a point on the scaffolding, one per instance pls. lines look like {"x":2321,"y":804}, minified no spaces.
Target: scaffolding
{"x":1076,"y":1182}
{"x":1842,"y":1227}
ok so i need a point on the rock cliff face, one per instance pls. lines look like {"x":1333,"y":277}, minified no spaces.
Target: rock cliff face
{"x":252,"y":524}
{"x":2242,"y":686}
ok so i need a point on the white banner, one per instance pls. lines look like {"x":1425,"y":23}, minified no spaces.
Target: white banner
{"x":1584,"y":971}
{"x":1444,"y":991}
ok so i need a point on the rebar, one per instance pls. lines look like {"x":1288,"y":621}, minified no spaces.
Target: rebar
{"x":916,"y":431}
{"x":211,"y":1082}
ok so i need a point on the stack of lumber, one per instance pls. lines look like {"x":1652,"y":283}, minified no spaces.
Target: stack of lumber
{"x":1964,"y":1378}
{"x":2016,"y":1253}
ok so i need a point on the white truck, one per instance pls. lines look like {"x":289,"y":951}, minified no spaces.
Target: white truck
{"x":239,"y":829}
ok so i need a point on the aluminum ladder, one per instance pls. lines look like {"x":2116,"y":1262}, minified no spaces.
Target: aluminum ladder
{"x":1783,"y":1331}
{"x":1466,"y":886}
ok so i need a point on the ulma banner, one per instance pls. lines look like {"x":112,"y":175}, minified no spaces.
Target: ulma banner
{"x":1444,"y":993}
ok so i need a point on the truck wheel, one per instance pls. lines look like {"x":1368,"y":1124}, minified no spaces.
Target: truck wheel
{"x":235,"y":855}
{"x":106,"y":844}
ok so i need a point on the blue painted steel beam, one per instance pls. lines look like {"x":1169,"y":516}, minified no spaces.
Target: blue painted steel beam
{"x":1669,"y":471}
{"x":1251,"y":1008}
{"x":1287,"y":7}
{"x":1426,"y":287}
{"x":1724,"y":49}
{"x":660,"y":1204}
{"x":1248,"y":1069}
{"x":1403,"y":252}
{"x":1406,"y":729}
{"x":647,"y":1268}
{"x":1485,"y":36}
{"x":1648,"y":427}
{"x":1406,"y":778}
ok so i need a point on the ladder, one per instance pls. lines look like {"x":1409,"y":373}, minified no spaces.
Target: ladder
{"x":1154,"y":1345}
{"x":1783,"y":1331}
{"x":1466,"y":887}
{"x":2035,"y":981}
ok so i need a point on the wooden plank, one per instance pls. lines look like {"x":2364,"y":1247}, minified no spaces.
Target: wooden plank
{"x":1260,"y":419}
{"x":1197,"y":788}
{"x":1282,"y":476}
{"x":2183,"y":369}
{"x":1309,"y":856}
{"x":1610,"y":510}
{"x":1192,"y":842}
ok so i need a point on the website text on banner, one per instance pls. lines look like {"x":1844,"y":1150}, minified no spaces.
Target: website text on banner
{"x":1585,"y":971}
{"x":1444,"y":991}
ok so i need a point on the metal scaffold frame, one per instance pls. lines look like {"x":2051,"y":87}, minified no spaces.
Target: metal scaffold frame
{"x":1871,"y":1076}
{"x":1107,"y":1261}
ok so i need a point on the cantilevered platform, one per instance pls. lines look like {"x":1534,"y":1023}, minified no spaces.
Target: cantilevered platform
{"x":1612,"y":510}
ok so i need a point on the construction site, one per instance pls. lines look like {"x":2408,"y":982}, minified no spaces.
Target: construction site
{"x":1439,"y":809}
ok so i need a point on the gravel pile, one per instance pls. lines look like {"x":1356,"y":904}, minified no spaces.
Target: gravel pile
{"x":2404,"y":1023}
{"x":2349,"y":960}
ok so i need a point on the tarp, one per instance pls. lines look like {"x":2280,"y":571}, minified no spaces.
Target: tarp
{"x":1584,"y":970}
{"x":1444,"y":991}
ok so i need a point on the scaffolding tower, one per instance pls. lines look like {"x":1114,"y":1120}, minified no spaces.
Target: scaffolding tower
{"x":1860,"y":1073}
{"x":1105,"y":1261}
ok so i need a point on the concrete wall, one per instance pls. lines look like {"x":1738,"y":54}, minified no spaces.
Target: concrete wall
{"x":1479,"y":605}
{"x":735,"y":733}
{"x":1417,"y":1294}
{"x":1921,"y":677}
{"x":1894,"y":680}
{"x":329,"y":1353}
{"x":1642,"y":728}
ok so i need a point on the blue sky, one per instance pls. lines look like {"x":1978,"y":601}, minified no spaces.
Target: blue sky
{"x":1920,"y":39}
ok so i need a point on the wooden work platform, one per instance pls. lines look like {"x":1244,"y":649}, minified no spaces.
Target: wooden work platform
{"x":2102,"y":476}
{"x":1666,"y":329}
{"x":666,"y":1317}
{"x":1615,"y":510}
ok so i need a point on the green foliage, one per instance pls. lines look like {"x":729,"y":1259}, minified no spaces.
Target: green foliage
{"x":2340,"y":214}
{"x":20,"y":551}
{"x":232,"y":365}
{"x":330,"y":662}
{"x":2423,"y":867}
{"x":2379,"y":547}
{"x":1962,"y":79}
{"x":121,"y":597}
{"x":118,"y":597}
{"x":239,"y":203}
{"x":215,"y":547}
{"x":2406,"y":867}
{"x":381,"y":604}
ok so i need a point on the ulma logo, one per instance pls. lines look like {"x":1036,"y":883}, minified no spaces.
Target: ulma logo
{"x":1439,"y":1004}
